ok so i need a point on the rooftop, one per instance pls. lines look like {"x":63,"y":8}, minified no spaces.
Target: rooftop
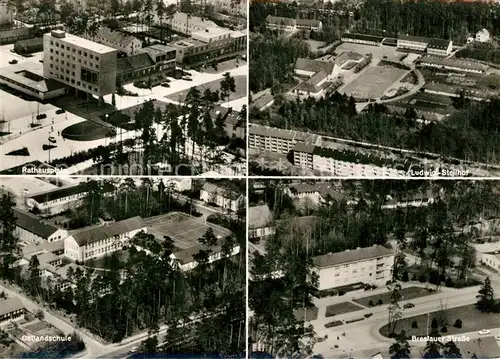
{"x":192,"y":20}
{"x":81,"y":42}
{"x":213,"y":188}
{"x":307,"y":22}
{"x":363,"y":37}
{"x":347,"y":56}
{"x":60,"y":193}
{"x":256,"y":129}
{"x":115,"y":36}
{"x":10,"y":305}
{"x":303,"y":147}
{"x":133,"y":63}
{"x":100,"y":233}
{"x":439,"y":44}
{"x":33,"y":224}
{"x":420,"y":39}
{"x":348,"y":256}
{"x":30,"y":74}
{"x":312,"y":84}
{"x":278,"y":20}
{"x":298,"y":188}
{"x":259,"y":216}
{"x":314,"y":65}
{"x":464,"y":64}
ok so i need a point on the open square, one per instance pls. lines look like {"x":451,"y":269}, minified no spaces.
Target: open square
{"x":183,"y":229}
{"x":373,"y":82}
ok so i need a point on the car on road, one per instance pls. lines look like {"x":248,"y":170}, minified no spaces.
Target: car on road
{"x":133,"y":349}
{"x":41,"y":60}
{"x":497,"y":338}
{"x":52,"y":139}
{"x":41,"y":116}
{"x":59,"y":111}
{"x":165,"y":84}
{"x":187,"y":78}
{"x":409,"y":305}
{"x":13,"y":62}
{"x":484,"y":332}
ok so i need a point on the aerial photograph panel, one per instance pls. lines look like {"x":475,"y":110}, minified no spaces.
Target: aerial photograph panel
{"x":123,"y":88}
{"x":374,"y":88}
{"x":121,"y":267}
{"x":380,"y":269}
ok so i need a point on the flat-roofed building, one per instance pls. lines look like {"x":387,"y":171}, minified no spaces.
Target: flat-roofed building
{"x":82,"y":64}
{"x":440,"y":47}
{"x":29,"y":46}
{"x":11,"y":309}
{"x":453,"y":64}
{"x":370,"y":265}
{"x":32,"y":229}
{"x":163,"y":57}
{"x":309,"y":67}
{"x":417,"y":43}
{"x":28,"y":78}
{"x":127,"y":44}
{"x":278,"y":140}
{"x":303,"y":155}
{"x":362,"y":39}
{"x":98,"y":241}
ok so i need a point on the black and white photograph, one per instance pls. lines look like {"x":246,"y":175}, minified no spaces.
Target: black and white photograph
{"x":374,"y":88}
{"x":142,"y":87}
{"x":122,"y":268}
{"x":374,"y":269}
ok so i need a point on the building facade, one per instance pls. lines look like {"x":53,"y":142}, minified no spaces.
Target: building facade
{"x":32,"y":229}
{"x":127,"y":44}
{"x":370,"y":265}
{"x":57,"y":201}
{"x":222,"y":197}
{"x":187,"y":24}
{"x":79,"y":63}
{"x":260,"y":222}
{"x":417,"y":43}
{"x":439,"y":47}
{"x":491,"y":260}
{"x":11,"y":309}
{"x":277,"y":140}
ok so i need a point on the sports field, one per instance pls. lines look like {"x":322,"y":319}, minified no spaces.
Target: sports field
{"x":373,"y":82}
{"x":182,"y":228}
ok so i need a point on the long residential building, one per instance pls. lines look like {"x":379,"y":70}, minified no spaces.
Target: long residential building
{"x":224,"y":198}
{"x":187,"y":23}
{"x":453,"y":64}
{"x":260,"y":222}
{"x":127,"y":44}
{"x":79,"y":63}
{"x":99,"y":241}
{"x":11,"y":309}
{"x":370,"y":265}
{"x":288,"y":24}
{"x":32,"y":229}
{"x":277,"y":140}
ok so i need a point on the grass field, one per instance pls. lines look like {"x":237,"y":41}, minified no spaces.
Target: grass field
{"x":407,"y":294}
{"x":85,"y":131}
{"x":341,"y":308}
{"x":306,"y":315}
{"x":184,"y":230}
{"x":240,"y":82}
{"x":373,"y":82}
{"x":472,"y":320}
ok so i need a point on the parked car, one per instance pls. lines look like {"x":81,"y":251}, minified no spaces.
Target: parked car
{"x":497,"y":338}
{"x":41,"y":60}
{"x":133,"y":349}
{"x":52,"y":139}
{"x":60,"y":111}
{"x":165,"y":84}
{"x":408,"y":305}
{"x":41,"y":116}
{"x":187,"y":78}
{"x":484,"y":332}
{"x":13,"y":62}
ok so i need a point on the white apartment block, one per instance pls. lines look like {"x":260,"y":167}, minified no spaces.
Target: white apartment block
{"x":370,"y":265}
{"x":32,"y":229}
{"x":412,"y":42}
{"x":82,"y":64}
{"x":99,"y":241}
{"x":277,"y":140}
{"x":344,"y":169}
{"x":491,"y":260}
{"x":439,"y":47}
{"x":57,"y":201}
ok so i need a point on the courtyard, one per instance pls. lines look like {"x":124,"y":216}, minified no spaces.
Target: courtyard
{"x":373,"y":82}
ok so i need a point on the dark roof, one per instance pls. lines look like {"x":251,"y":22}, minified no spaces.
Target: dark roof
{"x":421,"y":39}
{"x":314,"y":65}
{"x":302,"y":188}
{"x":439,"y":44}
{"x":60,"y":193}
{"x":33,"y":224}
{"x":348,"y":256}
{"x":133,"y":63}
{"x":277,"y":20}
{"x":10,"y":305}
{"x":347,"y":56}
{"x":221,"y":191}
{"x":363,"y":37}
{"x":107,"y":231}
{"x":303,"y":147}
{"x":38,"y":41}
{"x":186,"y":256}
{"x":307,"y":22}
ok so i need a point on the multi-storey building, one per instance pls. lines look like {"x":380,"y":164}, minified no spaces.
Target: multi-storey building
{"x":99,"y":241}
{"x":57,"y":201}
{"x":491,"y":260}
{"x":222,"y":197}
{"x":280,"y":23}
{"x":417,"y":43}
{"x":213,"y":43}
{"x":32,"y":229}
{"x":11,"y":309}
{"x":79,"y":63}
{"x":260,"y":222}
{"x":370,"y":265}
{"x":186,"y":257}
{"x":453,"y":64}
{"x":440,"y":47}
{"x":187,"y":23}
{"x":277,"y":140}
{"x":127,"y":44}
{"x":362,"y":39}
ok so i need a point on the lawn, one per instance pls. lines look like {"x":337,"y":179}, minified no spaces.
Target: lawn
{"x":373,"y":82}
{"x":306,"y":315}
{"x":341,"y":308}
{"x":407,"y":294}
{"x":472,"y":321}
{"x":86,"y":131}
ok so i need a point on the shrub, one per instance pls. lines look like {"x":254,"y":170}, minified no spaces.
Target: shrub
{"x":341,"y":292}
{"x":444,"y":329}
{"x":422,"y":278}
{"x":414,"y":324}
{"x":368,"y":315}
{"x":434,"y":323}
{"x":458,"y":324}
{"x":380,"y":301}
{"x":405,"y":277}
{"x":39,"y":314}
{"x":370,"y":303}
{"x":335,"y":323}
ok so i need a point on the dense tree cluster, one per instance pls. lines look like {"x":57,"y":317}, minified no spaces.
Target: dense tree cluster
{"x":470,"y":134}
